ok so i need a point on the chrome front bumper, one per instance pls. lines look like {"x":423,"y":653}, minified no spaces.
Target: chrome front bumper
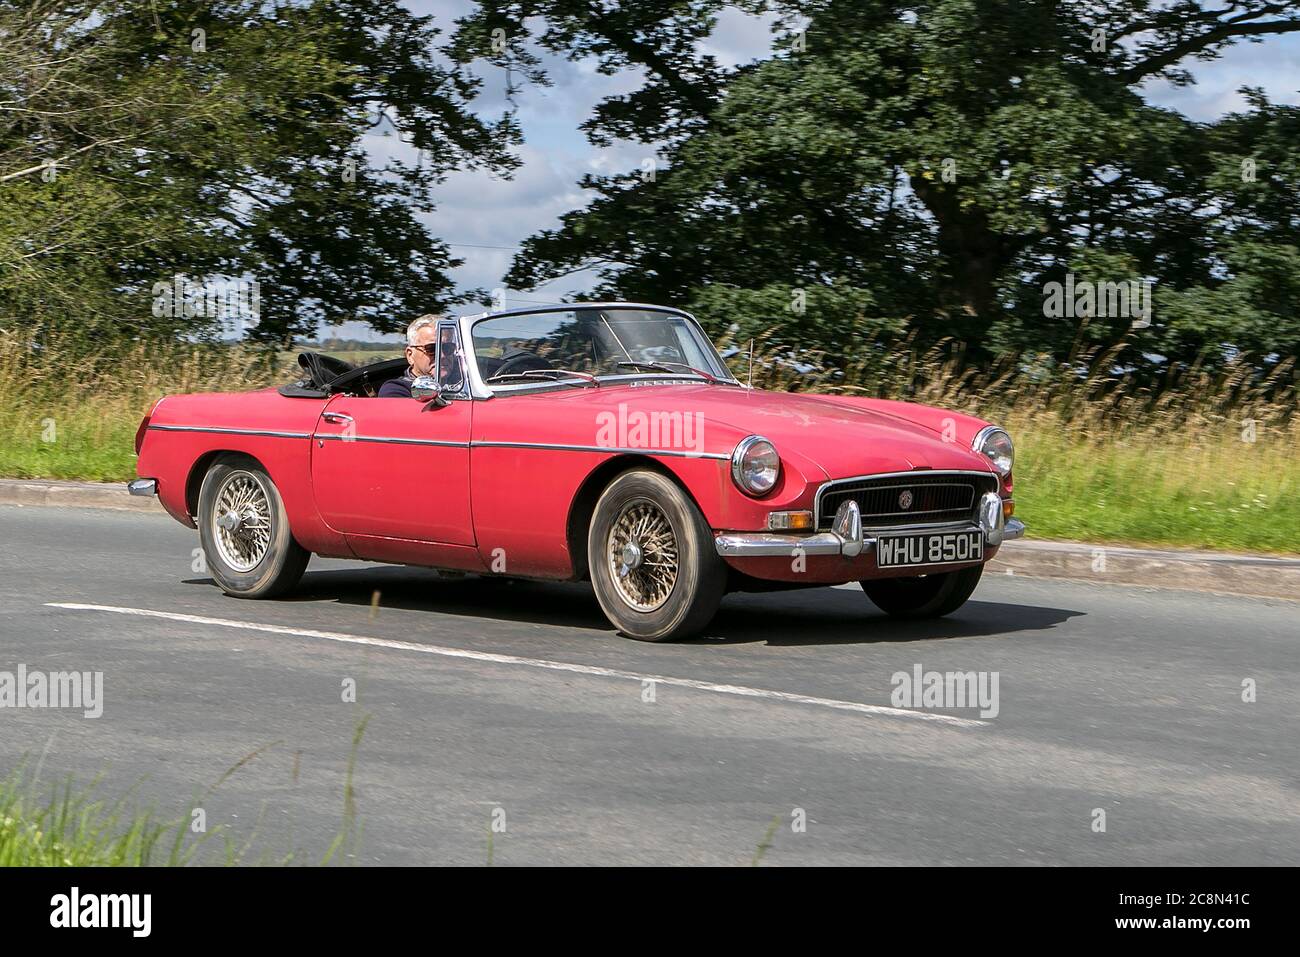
{"x":847,"y":537}
{"x":143,"y":486}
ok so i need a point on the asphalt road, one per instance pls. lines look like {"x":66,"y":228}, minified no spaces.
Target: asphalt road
{"x":516,"y":701}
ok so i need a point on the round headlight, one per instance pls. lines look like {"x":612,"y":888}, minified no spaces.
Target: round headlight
{"x":996,"y":444}
{"x":755,"y":466}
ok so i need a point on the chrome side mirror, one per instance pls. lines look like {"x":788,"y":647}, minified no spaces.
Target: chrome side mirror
{"x":428,"y":390}
{"x":425,"y":387}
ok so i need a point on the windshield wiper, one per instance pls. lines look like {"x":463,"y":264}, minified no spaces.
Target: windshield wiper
{"x":661,"y":366}
{"x":547,"y":374}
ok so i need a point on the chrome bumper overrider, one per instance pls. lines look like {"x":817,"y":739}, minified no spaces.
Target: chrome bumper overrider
{"x":143,"y":487}
{"x":847,"y":537}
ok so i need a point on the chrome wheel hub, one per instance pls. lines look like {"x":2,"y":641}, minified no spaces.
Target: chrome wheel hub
{"x":241,"y":521}
{"x":632,"y":556}
{"x":642,"y":555}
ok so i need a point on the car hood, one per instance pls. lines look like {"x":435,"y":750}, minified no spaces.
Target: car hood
{"x":840,"y":439}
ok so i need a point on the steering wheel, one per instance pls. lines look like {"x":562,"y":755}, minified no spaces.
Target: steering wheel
{"x":521,"y":361}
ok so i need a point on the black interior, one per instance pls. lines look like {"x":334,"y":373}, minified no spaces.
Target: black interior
{"x":324,"y":376}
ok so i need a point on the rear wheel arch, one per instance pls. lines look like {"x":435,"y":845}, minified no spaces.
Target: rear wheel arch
{"x":589,"y":492}
{"x":200,"y":468}
{"x":203,"y":465}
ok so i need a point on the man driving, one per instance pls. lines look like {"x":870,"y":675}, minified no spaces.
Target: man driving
{"x":421,"y":352}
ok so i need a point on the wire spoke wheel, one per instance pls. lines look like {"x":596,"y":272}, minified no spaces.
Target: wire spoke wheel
{"x":241,"y":521}
{"x":642,"y":553}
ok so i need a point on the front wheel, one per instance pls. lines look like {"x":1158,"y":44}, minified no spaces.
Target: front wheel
{"x":929,"y":596}
{"x":653,"y":564}
{"x":247,"y":543}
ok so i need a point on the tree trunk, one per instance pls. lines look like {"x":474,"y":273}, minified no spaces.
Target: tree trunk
{"x":972,"y":257}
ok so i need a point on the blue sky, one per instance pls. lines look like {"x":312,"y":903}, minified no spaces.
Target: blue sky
{"x":486,"y":217}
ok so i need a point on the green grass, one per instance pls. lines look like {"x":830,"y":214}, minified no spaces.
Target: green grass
{"x":71,"y":825}
{"x":92,"y":449}
{"x":71,"y":828}
{"x":1113,"y":465}
{"x":1224,"y":495}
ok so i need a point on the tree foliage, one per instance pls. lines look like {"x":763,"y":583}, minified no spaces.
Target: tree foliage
{"x":141,"y":139}
{"x":947,"y":160}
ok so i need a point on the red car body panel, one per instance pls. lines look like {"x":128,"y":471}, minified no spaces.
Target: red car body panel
{"x":498,"y":485}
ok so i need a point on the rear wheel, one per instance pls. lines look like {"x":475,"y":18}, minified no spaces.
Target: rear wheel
{"x":247,"y":544}
{"x":930,"y":596}
{"x":653,"y":565}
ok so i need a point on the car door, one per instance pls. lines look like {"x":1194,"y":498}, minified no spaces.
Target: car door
{"x":398,"y":468}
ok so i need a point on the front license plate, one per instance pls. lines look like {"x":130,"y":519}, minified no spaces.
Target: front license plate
{"x":933,"y":548}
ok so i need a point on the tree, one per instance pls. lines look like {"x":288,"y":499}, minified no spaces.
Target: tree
{"x":949,"y":159}
{"x":207,"y":138}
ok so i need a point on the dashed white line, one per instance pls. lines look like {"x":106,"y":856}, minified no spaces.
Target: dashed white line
{"x":542,"y":663}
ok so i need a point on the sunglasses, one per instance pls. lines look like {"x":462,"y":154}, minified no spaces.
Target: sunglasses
{"x":430,"y":350}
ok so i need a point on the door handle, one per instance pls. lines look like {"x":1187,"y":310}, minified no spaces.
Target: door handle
{"x":338,"y":418}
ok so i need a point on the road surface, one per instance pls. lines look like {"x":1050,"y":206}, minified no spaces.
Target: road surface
{"x":515,"y":704}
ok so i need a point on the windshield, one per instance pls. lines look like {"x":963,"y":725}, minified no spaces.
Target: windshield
{"x":592,"y":342}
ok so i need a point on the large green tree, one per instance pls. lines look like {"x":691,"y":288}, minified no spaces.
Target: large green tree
{"x":140,"y":139}
{"x":947,"y":160}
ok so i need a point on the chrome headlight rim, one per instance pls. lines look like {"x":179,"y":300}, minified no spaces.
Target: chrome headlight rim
{"x":981,"y":440}
{"x":743,"y":447}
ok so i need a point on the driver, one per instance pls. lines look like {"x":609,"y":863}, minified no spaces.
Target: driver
{"x":421,"y":348}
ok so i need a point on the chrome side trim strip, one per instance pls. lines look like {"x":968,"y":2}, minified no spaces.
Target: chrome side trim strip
{"x":269,"y":433}
{"x":678,"y":453}
{"x":325,"y":436}
{"x":387,"y":440}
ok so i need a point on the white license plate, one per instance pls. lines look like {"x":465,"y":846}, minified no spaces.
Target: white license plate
{"x":930,"y":548}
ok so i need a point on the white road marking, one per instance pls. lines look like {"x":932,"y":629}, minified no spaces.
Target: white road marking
{"x":485,"y":656}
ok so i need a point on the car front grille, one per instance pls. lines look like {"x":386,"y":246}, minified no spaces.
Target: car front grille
{"x":911,"y":498}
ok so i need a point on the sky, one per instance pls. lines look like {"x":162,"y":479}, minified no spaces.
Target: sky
{"x":485,"y":217}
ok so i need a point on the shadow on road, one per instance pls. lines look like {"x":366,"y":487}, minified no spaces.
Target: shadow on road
{"x":831,"y":616}
{"x":820,"y":616}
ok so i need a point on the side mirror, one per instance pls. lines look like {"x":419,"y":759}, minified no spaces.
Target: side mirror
{"x":426,"y":389}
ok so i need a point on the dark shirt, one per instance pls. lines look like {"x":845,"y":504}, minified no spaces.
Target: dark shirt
{"x":396,"y":388}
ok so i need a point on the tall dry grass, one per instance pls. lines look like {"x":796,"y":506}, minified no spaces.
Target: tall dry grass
{"x":1207,"y":459}
{"x":72,"y":414}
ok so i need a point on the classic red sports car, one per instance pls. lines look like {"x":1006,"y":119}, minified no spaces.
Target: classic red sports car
{"x":601,"y":441}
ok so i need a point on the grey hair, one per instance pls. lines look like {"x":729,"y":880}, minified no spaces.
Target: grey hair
{"x":414,"y":328}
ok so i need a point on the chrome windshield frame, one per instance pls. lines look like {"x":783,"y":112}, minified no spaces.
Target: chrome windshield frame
{"x":479,"y":388}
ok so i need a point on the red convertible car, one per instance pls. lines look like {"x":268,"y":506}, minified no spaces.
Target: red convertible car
{"x":601,"y":441}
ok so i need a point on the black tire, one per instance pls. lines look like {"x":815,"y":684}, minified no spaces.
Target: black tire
{"x":644,"y":499}
{"x":279,"y":563}
{"x":932,"y":596}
